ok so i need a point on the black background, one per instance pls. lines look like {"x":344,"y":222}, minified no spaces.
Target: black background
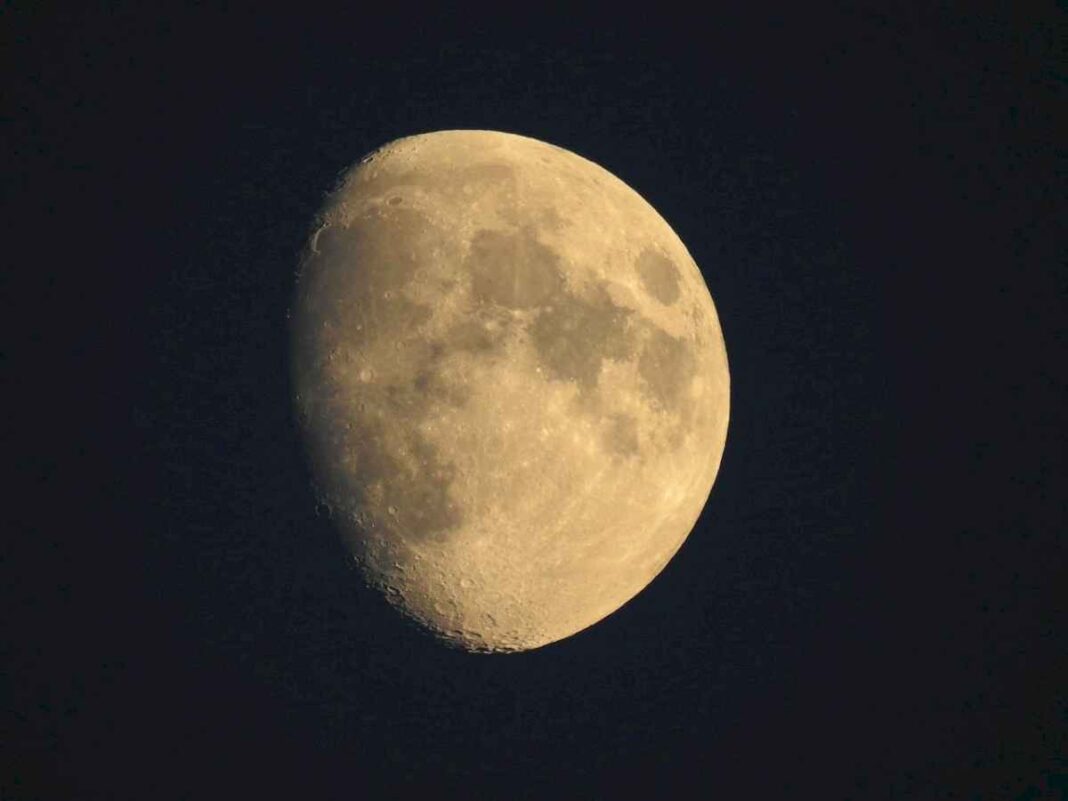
{"x":866,"y":607}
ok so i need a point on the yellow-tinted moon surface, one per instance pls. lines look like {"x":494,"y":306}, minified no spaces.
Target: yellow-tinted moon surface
{"x":512,"y":383}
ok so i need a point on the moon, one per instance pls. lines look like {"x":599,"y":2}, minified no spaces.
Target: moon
{"x":511,"y":381}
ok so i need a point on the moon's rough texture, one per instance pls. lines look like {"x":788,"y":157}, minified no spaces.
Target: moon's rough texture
{"x":512,"y":382}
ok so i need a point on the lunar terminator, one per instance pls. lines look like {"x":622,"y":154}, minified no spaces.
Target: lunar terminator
{"x":512,"y":383}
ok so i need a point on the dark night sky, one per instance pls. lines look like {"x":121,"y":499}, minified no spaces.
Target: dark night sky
{"x":864,"y":610}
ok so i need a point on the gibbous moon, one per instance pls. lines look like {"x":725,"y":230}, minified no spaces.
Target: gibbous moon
{"x":511,"y":381}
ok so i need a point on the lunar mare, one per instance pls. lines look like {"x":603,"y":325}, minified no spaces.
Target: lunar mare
{"x":512,"y":383}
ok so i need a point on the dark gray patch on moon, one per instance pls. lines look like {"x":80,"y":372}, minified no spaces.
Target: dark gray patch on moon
{"x":659,"y":276}
{"x":666,"y":366}
{"x":512,"y":269}
{"x":574,"y":335}
{"x":548,"y":218}
{"x":621,"y":435}
{"x":370,"y":261}
{"x":434,"y":387}
{"x":474,"y":336}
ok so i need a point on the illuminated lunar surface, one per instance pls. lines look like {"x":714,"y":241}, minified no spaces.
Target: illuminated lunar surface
{"x":512,"y":383}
